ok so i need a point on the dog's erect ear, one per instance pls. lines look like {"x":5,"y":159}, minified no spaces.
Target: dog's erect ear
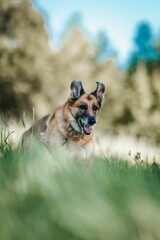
{"x":76,"y":90}
{"x":99,"y":92}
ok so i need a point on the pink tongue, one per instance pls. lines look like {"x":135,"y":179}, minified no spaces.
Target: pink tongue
{"x":87,"y":129}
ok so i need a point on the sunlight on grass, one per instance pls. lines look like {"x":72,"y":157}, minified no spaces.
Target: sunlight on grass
{"x":127,"y":146}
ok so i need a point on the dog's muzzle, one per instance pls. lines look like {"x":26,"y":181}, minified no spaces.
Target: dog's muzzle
{"x":87,"y":124}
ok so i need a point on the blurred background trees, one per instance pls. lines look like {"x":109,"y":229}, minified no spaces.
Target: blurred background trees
{"x":24,"y":53}
{"x":143,"y":81}
{"x":32,"y":73}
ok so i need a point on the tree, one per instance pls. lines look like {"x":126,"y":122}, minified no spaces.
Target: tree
{"x":145,"y":50}
{"x":102,"y":45}
{"x":145,"y":46}
{"x":143,"y":41}
{"x":24,"y":53}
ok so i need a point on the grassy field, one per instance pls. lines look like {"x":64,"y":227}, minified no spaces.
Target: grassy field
{"x":49,"y":197}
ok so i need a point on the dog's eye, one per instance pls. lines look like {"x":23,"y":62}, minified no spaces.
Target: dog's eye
{"x":83,"y":106}
{"x":95,"y":108}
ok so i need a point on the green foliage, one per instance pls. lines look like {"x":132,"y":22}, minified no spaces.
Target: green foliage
{"x":46,"y":196}
{"x":142,"y":84}
{"x":21,"y":55}
{"x":126,"y":118}
{"x":5,"y":134}
{"x":144,"y":41}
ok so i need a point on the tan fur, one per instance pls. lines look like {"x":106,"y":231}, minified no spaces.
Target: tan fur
{"x":61,"y":129}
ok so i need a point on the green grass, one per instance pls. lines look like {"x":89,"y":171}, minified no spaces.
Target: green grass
{"x":48,"y":197}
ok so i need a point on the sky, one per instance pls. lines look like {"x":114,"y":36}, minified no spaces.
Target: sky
{"x":118,"y":18}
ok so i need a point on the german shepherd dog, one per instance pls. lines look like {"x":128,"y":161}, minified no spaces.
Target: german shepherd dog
{"x":72,"y":124}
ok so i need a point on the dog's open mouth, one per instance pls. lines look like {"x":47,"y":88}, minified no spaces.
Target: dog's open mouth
{"x":86,"y":128}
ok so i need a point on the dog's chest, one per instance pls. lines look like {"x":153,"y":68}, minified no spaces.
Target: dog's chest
{"x":80,"y":149}
{"x":75,"y":148}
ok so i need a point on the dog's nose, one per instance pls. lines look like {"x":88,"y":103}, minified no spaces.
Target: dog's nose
{"x":92,"y":121}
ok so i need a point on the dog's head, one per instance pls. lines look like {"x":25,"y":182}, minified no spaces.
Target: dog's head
{"x":83,"y":107}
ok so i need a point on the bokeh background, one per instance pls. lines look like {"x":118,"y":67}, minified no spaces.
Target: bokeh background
{"x":44,"y":45}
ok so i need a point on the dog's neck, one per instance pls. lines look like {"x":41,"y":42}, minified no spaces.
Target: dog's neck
{"x":73,"y":134}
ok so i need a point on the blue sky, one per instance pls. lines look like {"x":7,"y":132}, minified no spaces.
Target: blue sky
{"x":117,"y":17}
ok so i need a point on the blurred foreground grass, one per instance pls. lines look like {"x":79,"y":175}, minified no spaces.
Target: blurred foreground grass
{"x":49,"y":197}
